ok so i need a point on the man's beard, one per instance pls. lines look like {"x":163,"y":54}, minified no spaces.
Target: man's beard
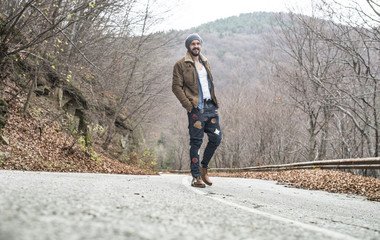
{"x":195,"y":54}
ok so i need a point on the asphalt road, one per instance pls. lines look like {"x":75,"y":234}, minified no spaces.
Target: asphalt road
{"x":39,"y":205}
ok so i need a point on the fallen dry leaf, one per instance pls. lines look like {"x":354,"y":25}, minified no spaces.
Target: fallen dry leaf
{"x":326,"y":180}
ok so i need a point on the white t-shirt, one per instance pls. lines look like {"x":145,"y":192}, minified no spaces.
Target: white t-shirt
{"x":204,"y":83}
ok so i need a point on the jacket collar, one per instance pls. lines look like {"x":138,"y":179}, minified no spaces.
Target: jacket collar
{"x":188,"y":57}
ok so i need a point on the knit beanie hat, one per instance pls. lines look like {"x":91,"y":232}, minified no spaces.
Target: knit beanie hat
{"x":192,"y":37}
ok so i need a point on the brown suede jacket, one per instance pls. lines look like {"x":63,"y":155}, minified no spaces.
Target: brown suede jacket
{"x":185,"y":82}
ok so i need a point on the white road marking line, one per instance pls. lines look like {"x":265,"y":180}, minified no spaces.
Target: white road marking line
{"x":324,"y":231}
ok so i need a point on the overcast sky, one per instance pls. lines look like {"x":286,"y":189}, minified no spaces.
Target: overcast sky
{"x":191,"y":13}
{"x":186,"y":14}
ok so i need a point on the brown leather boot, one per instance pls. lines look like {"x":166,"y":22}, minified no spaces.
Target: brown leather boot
{"x":197,"y":182}
{"x":205,"y":177}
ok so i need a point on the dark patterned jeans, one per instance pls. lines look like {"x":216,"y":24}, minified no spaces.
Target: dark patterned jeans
{"x":200,"y":122}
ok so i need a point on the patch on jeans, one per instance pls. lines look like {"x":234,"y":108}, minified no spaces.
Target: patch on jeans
{"x":195,"y":117}
{"x":217,"y":132}
{"x":195,"y":160}
{"x":198,"y":124}
{"x":213,"y":120}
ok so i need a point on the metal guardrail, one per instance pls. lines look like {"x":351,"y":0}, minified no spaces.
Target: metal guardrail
{"x":359,"y":163}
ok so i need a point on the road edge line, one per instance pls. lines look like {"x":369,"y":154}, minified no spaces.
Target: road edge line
{"x":324,"y":231}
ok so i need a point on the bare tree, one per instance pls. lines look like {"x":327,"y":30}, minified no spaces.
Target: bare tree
{"x":307,"y":76}
{"x":354,"y":34}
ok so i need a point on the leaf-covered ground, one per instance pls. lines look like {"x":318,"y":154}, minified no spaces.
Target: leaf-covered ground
{"x":326,"y":180}
{"x":41,"y":145}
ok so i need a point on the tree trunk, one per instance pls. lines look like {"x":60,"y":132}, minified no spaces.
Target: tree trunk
{"x":110,"y":133}
{"x":325,"y":134}
{"x":34,"y":83}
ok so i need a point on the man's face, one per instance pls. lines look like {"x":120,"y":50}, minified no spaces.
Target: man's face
{"x":195,"y":48}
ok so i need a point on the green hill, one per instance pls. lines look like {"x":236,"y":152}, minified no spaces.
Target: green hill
{"x":247,"y":23}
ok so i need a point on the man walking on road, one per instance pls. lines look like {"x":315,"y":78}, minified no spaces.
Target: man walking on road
{"x":194,"y":87}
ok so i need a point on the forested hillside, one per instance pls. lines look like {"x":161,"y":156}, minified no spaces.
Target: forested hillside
{"x":292,"y":87}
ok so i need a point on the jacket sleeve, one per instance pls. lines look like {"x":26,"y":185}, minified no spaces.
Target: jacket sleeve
{"x":177,"y":87}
